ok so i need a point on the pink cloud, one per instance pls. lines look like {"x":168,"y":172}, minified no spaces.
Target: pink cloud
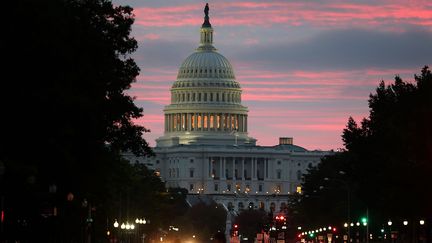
{"x":325,"y":14}
{"x":151,"y":36}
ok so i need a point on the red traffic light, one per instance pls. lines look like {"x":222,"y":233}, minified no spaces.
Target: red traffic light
{"x":334,"y":229}
{"x":235,"y":226}
{"x":280,"y":218}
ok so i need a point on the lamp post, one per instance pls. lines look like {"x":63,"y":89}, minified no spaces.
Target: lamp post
{"x":389,"y":223}
{"x":140,"y":222}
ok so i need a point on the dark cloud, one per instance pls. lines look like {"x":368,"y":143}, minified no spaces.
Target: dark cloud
{"x":345,"y":49}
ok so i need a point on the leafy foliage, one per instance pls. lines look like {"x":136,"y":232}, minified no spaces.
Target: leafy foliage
{"x":202,"y":220}
{"x":251,"y":222}
{"x":66,"y":116}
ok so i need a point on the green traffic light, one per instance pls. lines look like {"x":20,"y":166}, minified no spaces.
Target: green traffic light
{"x":311,"y":234}
{"x":364,"y":220}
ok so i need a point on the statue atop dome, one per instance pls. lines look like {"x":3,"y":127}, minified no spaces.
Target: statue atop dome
{"x":206,"y":17}
{"x":206,"y":10}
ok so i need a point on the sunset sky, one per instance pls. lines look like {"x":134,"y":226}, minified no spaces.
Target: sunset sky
{"x":305,"y":66}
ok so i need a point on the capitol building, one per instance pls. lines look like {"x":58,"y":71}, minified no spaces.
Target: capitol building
{"x":206,"y":148}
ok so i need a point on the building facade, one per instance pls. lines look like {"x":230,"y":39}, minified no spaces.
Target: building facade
{"x":206,"y":148}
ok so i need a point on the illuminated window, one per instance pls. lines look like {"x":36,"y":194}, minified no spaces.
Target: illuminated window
{"x":199,"y":121}
{"x":299,"y":190}
{"x":211,"y":121}
{"x":175,"y":121}
{"x":233,"y":124}
{"x":193,"y":121}
{"x":205,"y":121}
{"x":218,"y":121}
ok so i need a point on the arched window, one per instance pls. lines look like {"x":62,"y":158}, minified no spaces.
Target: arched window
{"x":283,"y":207}
{"x":230,"y":206}
{"x":272,"y":207}
{"x":299,"y":174}
{"x":240,"y":206}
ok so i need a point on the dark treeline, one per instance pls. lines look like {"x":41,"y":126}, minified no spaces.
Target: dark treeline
{"x":385,"y":169}
{"x":65,"y":121}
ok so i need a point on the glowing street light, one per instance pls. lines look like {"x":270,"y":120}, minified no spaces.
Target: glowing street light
{"x":422,"y":222}
{"x":389,"y":223}
{"x":405,"y":222}
{"x":116,"y":224}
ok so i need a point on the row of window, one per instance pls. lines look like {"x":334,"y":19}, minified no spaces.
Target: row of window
{"x":205,"y":121}
{"x":230,"y":97}
{"x":191,"y":84}
{"x":206,"y":72}
{"x":247,"y":188}
{"x":174,"y":173}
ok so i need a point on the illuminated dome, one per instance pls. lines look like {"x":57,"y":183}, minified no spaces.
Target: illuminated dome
{"x":206,"y":64}
{"x":205,"y":100}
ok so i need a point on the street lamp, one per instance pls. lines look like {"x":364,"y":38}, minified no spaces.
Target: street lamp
{"x":116,"y":224}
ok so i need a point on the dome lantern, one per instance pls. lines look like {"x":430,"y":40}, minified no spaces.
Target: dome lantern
{"x":206,"y":41}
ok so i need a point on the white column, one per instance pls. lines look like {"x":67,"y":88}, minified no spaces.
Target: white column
{"x":220,"y":168}
{"x":242,"y":170}
{"x":224,"y":168}
{"x":208,"y":121}
{"x":181,"y":121}
{"x":202,"y":121}
{"x":254,"y":162}
{"x":189,"y":121}
{"x":210,"y":167}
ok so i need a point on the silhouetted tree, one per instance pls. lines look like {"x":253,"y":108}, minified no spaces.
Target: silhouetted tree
{"x":66,"y":116}
{"x":387,"y":162}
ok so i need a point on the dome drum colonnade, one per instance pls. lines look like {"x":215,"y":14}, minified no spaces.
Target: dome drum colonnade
{"x":205,"y":100}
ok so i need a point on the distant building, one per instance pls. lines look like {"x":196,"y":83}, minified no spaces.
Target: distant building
{"x":206,"y":148}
